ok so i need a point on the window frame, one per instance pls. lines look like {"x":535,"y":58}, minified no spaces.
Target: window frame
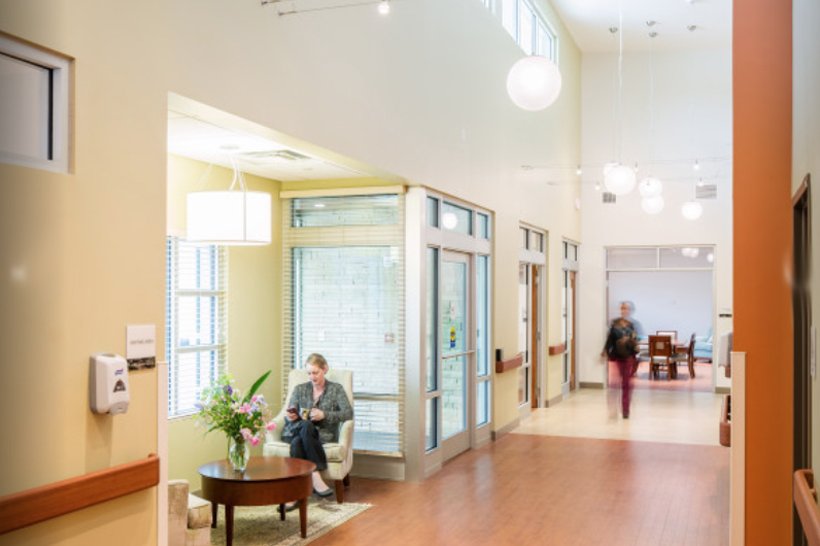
{"x":56,"y":159}
{"x":219,"y":317}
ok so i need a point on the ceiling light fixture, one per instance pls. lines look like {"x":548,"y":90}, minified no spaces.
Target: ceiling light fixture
{"x":651,"y":187}
{"x":653,"y":204}
{"x":384,"y":7}
{"x":236,"y":217}
{"x":691,"y":210}
{"x":619,"y":179}
{"x":533,"y":83}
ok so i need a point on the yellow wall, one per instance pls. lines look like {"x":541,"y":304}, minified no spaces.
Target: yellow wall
{"x":90,"y":247}
{"x":254,"y":304}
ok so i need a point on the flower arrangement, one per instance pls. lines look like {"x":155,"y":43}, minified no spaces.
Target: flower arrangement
{"x":244,"y":419}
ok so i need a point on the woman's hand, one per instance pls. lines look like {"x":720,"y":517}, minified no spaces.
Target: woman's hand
{"x":316,"y":414}
{"x":291,"y":414}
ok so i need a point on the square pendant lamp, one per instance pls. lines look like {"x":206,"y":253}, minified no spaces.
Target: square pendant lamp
{"x":236,"y":217}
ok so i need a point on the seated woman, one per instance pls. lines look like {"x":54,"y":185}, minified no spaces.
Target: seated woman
{"x":316,"y":410}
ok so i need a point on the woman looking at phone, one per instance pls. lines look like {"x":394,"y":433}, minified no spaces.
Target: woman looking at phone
{"x":315,"y":411}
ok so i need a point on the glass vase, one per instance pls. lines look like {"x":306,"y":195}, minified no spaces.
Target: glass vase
{"x":238,"y":453}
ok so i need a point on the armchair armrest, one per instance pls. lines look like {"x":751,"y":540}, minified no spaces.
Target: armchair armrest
{"x":275,"y":435}
{"x":346,"y":434}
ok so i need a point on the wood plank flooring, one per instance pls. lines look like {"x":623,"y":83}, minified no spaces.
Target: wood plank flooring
{"x":528,"y":489}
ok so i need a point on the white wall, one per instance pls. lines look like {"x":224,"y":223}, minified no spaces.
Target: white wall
{"x":421,"y":94}
{"x":665,"y":300}
{"x":692,"y":119}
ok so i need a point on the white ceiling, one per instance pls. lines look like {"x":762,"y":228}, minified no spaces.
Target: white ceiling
{"x":195,"y":138}
{"x":589,"y":21}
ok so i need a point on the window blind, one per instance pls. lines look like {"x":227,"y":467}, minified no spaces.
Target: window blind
{"x":343,"y":297}
{"x":196,"y":321}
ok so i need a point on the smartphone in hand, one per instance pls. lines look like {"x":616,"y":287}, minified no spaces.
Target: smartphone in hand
{"x":294,"y":413}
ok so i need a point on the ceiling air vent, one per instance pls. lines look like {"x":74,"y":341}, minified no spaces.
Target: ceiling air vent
{"x":278,"y":156}
{"x":608,"y":197}
{"x":706,"y":191}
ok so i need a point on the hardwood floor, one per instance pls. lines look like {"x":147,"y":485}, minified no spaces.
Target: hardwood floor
{"x":529,"y":489}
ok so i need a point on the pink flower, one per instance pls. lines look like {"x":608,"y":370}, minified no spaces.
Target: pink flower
{"x":254,"y":441}
{"x":254,"y":398}
{"x":246,"y":434}
{"x":270,"y":426}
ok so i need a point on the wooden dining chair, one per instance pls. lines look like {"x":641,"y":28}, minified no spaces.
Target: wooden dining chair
{"x":687,"y":357}
{"x":671,"y":333}
{"x":660,"y":356}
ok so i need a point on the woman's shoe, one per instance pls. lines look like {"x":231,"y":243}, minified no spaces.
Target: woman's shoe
{"x":326,"y":493}
{"x":290,"y":507}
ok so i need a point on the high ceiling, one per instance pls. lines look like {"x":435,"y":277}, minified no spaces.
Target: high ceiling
{"x":589,"y":22}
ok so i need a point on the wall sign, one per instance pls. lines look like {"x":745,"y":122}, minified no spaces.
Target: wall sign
{"x":141,"y":346}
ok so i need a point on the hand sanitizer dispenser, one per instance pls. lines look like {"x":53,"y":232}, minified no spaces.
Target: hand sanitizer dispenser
{"x":108,"y":383}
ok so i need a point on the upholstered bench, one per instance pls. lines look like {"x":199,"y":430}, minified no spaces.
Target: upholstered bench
{"x":189,"y":517}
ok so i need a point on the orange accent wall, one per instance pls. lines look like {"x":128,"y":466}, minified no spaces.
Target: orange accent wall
{"x":762,"y":88}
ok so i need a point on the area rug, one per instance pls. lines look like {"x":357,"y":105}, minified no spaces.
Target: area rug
{"x":261,"y":526}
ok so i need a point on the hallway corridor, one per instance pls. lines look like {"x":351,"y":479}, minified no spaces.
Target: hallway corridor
{"x":533,"y":488}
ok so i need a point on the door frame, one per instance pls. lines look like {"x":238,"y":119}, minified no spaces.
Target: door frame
{"x":461,"y":441}
{"x":803,"y":333}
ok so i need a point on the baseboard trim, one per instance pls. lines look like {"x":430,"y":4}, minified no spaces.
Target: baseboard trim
{"x":553,"y":401}
{"x":506,"y":429}
{"x":723,"y":390}
{"x":585,"y":385}
{"x":374,"y":466}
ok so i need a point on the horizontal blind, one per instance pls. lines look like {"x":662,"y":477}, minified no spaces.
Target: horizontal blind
{"x":343,"y":297}
{"x":196,"y":321}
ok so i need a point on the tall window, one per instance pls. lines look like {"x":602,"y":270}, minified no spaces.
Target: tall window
{"x":196,"y":321}
{"x":345,"y":290}
{"x":527,"y":26}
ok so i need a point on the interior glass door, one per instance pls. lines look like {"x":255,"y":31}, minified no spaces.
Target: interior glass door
{"x":457,"y":352}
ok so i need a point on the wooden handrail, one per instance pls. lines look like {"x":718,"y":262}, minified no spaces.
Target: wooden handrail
{"x":510,"y":364}
{"x":805,"y":500}
{"x":59,"y":498}
{"x":557,"y":349}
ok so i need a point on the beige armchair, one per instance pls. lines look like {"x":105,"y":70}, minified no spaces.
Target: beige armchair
{"x":339,"y":455}
{"x":189,"y":517}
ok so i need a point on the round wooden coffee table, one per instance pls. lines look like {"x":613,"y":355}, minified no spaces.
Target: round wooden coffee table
{"x":266,"y":480}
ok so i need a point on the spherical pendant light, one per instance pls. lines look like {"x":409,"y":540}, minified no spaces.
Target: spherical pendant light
{"x":652,"y":205}
{"x":691,"y":210}
{"x":650,"y":187}
{"x":534,"y":83}
{"x":619,"y":179}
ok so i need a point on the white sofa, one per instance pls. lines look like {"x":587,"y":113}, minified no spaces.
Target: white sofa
{"x":189,"y":517}
{"x":340,"y":454}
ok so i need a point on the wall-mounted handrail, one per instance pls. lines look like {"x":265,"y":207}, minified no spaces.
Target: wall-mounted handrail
{"x":509,"y":364}
{"x":805,"y":500}
{"x":32,"y":506}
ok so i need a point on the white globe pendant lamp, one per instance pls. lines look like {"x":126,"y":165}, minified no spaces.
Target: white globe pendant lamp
{"x":619,"y":179}
{"x":534,"y":83}
{"x":653,"y":204}
{"x":691,"y":210}
{"x":650,"y":187}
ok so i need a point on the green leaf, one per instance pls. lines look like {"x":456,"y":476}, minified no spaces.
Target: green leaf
{"x":255,"y":387}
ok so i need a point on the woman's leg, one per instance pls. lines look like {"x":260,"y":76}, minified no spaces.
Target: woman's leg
{"x":625,"y":366}
{"x":306,"y":445}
